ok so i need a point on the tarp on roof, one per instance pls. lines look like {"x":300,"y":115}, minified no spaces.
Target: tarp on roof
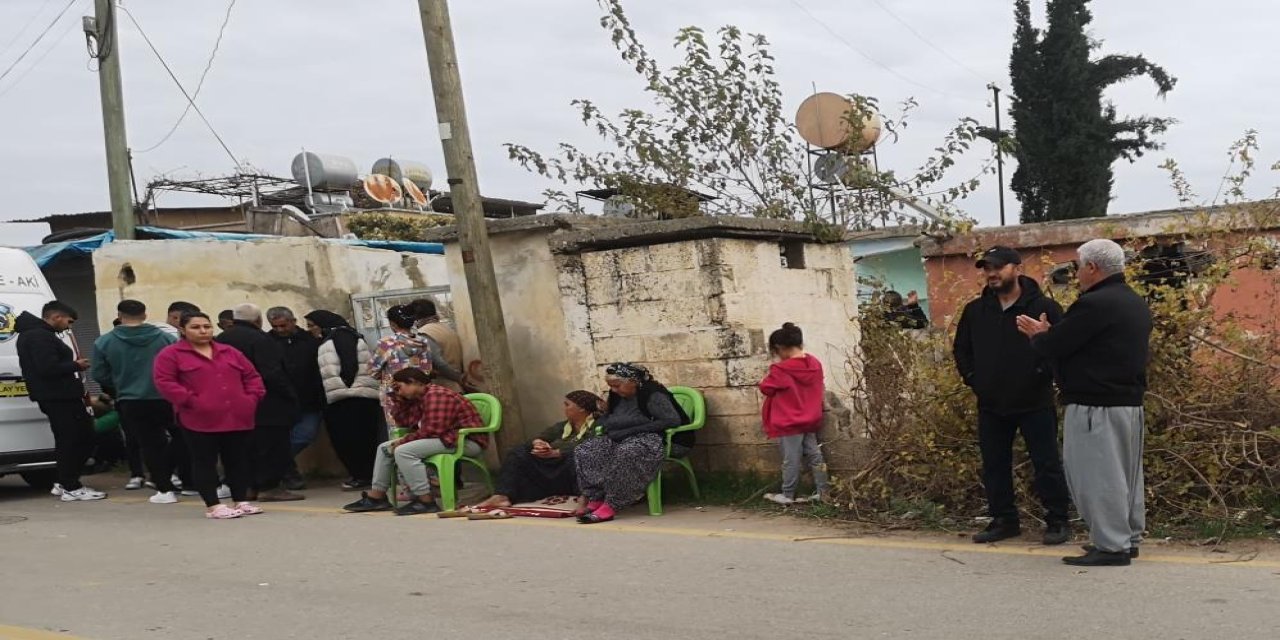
{"x":47,"y":254}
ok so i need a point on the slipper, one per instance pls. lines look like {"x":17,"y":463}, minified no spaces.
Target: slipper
{"x":460,"y":512}
{"x":496,"y":514}
{"x":592,"y":518}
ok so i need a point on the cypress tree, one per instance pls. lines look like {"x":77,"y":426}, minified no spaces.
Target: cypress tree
{"x":1067,"y":136}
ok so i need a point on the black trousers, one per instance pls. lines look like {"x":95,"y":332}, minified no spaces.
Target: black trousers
{"x":73,"y":438}
{"x":149,"y":423}
{"x":272,"y":456}
{"x":525,"y":477}
{"x":353,"y":426}
{"x":1040,"y":433}
{"x":233,"y":449}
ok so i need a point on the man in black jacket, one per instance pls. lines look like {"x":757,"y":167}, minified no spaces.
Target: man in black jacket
{"x":301,"y":358}
{"x":277,"y":412}
{"x":1101,"y":348}
{"x":52,"y":374}
{"x":1014,"y":386}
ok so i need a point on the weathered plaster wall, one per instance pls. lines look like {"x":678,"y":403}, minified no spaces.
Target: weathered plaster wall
{"x":548,"y":364}
{"x":300,"y":273}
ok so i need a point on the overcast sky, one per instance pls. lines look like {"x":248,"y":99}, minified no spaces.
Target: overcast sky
{"x":349,"y":77}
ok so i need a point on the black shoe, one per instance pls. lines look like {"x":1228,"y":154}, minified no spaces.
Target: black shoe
{"x":998,"y":530}
{"x":366,"y":504}
{"x":1097,"y":558}
{"x":355,"y":485}
{"x":1056,"y":532}
{"x":417,"y":507}
{"x":293,"y":481}
{"x":1133,"y":551}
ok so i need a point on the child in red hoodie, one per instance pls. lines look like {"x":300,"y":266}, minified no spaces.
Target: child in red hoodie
{"x":792,"y":412}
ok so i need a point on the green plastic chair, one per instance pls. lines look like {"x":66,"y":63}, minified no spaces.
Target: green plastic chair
{"x":695,"y":406}
{"x":446,"y":464}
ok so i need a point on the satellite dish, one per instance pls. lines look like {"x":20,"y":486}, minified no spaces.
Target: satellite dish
{"x":414,"y":193}
{"x":619,"y":207}
{"x":829,"y":167}
{"x":832,"y":121}
{"x":382,"y":188}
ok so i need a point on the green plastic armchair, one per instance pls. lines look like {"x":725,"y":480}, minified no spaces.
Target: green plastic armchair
{"x":446,"y":464}
{"x":695,"y":406}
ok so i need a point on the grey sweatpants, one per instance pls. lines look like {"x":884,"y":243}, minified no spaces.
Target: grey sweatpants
{"x":795,"y":449}
{"x":1102,"y":453}
{"x":410,"y":458}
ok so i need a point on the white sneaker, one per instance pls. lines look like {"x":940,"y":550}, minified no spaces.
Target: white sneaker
{"x":163,"y":497}
{"x":83,"y":493}
{"x":135,"y":483}
{"x":56,"y":491}
{"x":224,"y":492}
{"x":176,"y":481}
{"x":779,"y":498}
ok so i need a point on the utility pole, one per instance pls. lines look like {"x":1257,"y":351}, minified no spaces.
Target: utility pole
{"x":464,"y":190}
{"x":103,"y":30}
{"x":995,"y":91}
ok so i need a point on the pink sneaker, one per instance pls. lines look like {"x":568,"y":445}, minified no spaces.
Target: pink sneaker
{"x":248,"y":508}
{"x":222,"y":512}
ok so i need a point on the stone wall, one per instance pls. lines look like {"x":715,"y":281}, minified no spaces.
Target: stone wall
{"x":698,"y":314}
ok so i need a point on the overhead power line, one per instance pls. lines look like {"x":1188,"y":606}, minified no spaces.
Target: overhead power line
{"x":199,"y":85}
{"x":181,"y":88}
{"x":872,"y":59}
{"x":35,"y":42}
{"x":30,"y":21}
{"x":925,"y":40}
{"x":71,"y":26}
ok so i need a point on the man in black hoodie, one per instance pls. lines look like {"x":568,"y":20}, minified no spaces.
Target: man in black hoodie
{"x":277,"y":412}
{"x":1101,"y":349}
{"x":1014,"y":386}
{"x":52,"y":373}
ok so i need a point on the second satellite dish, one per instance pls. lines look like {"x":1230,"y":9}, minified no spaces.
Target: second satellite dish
{"x":382,"y":188}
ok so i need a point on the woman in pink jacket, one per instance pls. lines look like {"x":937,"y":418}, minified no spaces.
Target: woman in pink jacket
{"x":215,"y":391}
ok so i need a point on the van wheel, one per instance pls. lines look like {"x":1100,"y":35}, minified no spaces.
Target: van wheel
{"x":43,"y":479}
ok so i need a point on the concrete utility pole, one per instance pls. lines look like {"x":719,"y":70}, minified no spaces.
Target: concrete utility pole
{"x":104,"y":32}
{"x":464,"y":190}
{"x":995,"y":92}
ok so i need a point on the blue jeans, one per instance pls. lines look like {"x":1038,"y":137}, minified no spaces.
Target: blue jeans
{"x":304,"y":431}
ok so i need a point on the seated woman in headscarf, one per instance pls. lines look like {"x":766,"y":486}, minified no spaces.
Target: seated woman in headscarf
{"x":614,"y":468}
{"x":544,"y":466}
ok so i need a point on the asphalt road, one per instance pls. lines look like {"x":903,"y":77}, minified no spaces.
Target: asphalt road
{"x":123,"y":569}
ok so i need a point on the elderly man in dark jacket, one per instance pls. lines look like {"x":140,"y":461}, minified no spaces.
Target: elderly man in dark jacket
{"x":1101,"y":348}
{"x":277,"y":412}
{"x":53,"y":376}
{"x":301,"y":351}
{"x":1014,"y":386}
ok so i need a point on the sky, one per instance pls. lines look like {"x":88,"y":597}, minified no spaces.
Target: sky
{"x":350,"y":78}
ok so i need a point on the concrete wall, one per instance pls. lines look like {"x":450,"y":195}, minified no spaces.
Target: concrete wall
{"x":548,"y":365}
{"x":300,"y":273}
{"x":698,"y":314}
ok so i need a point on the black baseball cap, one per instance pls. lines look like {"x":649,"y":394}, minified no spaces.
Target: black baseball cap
{"x":998,"y":256}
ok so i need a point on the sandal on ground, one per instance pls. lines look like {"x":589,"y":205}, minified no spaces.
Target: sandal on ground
{"x":223,"y":512}
{"x":495,"y":514}
{"x":460,"y":512}
{"x":248,"y":508}
{"x":592,"y":518}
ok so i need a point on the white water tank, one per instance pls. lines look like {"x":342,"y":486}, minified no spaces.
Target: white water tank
{"x":325,"y":171}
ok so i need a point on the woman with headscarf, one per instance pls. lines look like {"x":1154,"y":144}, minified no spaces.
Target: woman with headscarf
{"x":544,"y":467}
{"x":615,"y":467}
{"x":352,"y":413}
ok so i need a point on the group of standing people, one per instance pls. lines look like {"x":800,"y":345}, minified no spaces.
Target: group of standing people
{"x":220,"y":416}
{"x":1011,"y":345}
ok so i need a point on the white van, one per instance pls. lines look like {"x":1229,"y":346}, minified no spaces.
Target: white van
{"x":26,"y":442}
